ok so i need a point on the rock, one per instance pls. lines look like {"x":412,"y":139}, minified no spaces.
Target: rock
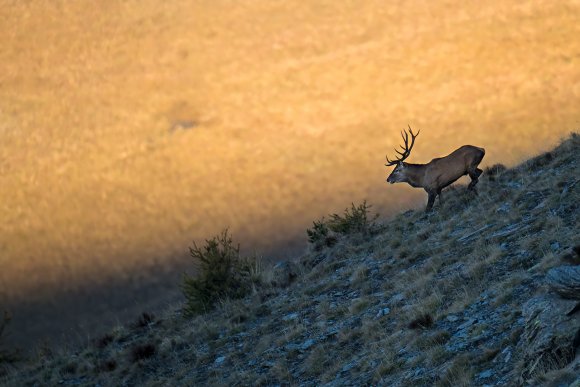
{"x":292,"y":347}
{"x":452,"y":318}
{"x":383,"y":312}
{"x":548,"y":341}
{"x":348,"y":366}
{"x":307,"y":344}
{"x":555,"y":246}
{"x":291,"y":316}
{"x":397,"y":298}
{"x":504,"y":208}
{"x":565,"y":280}
{"x":219,"y":360}
{"x":284,"y":273}
{"x":572,"y":256}
{"x":467,"y":324}
{"x":507,"y":353}
{"x":485,"y":374}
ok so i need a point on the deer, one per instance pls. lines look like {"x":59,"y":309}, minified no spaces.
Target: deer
{"x":438,"y":173}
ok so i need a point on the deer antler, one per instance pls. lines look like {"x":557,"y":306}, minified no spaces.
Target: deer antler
{"x":406,"y":150}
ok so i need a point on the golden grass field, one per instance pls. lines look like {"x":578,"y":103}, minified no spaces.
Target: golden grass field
{"x":292,"y":108}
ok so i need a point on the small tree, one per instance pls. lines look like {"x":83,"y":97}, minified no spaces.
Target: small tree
{"x":221,"y":274}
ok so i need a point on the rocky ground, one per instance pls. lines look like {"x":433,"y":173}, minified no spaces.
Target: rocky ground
{"x":460,"y":296}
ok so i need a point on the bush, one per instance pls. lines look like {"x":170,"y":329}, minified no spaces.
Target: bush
{"x":319,"y":236}
{"x":141,"y":352}
{"x":222,"y":274}
{"x":353,"y":220}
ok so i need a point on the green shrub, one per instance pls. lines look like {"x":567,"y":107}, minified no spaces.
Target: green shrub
{"x":354,"y":220}
{"x":318,"y":234}
{"x":222,"y":274}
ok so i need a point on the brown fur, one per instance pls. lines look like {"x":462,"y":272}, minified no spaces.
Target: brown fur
{"x":440,"y":172}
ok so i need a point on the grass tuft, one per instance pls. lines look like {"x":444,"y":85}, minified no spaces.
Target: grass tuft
{"x":142,"y":352}
{"x":144,"y":320}
{"x":423,"y":321}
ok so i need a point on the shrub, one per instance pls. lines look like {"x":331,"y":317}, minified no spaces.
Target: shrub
{"x":318,"y":232}
{"x":141,"y":352}
{"x":320,"y":236}
{"x":354,"y":220}
{"x":423,"y":321}
{"x":222,"y":274}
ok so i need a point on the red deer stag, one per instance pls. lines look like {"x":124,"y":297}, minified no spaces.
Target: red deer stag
{"x":437,"y":174}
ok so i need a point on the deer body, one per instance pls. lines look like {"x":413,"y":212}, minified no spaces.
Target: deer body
{"x":438,"y":173}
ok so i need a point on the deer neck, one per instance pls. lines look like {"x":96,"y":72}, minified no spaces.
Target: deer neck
{"x":415,"y":174}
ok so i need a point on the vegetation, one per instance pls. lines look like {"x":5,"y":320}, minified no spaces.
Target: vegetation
{"x":221,"y":275}
{"x":354,"y":220}
{"x":89,"y":96}
{"x":424,"y":299}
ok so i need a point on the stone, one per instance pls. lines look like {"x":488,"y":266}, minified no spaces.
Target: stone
{"x":348,"y":366}
{"x":383,"y":312}
{"x":307,"y":344}
{"x":219,"y":360}
{"x":452,"y":318}
{"x":291,"y":316}
{"x":397,"y":298}
{"x":565,"y":280}
{"x":548,"y":341}
{"x":485,"y":374}
{"x":504,"y":208}
{"x":467,"y":324}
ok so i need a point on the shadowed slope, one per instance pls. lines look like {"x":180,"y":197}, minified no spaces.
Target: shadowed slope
{"x":422,"y":299}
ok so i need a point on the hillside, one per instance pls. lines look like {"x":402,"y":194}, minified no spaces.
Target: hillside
{"x":456,"y":297}
{"x":129,"y":128}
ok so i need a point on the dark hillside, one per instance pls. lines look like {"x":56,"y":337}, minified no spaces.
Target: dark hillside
{"x":457,"y":297}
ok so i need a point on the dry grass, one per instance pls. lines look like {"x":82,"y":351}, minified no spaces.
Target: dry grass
{"x":459,"y":373}
{"x":128,"y":128}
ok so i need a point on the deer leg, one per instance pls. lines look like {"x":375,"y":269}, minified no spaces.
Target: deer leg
{"x":474,"y":174}
{"x":430,"y":201}
{"x":440,"y":196}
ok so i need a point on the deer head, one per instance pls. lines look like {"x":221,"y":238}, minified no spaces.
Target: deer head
{"x":399,"y":174}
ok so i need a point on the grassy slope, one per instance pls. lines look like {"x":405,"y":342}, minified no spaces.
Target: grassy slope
{"x":470,"y":266}
{"x":295,"y":106}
